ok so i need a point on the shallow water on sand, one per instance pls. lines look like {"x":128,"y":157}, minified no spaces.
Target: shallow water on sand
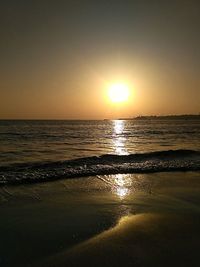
{"x":41,"y":221}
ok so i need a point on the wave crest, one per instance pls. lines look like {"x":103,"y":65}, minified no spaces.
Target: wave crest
{"x":159,"y":161}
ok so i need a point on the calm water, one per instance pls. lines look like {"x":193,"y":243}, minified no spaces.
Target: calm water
{"x":30,"y":142}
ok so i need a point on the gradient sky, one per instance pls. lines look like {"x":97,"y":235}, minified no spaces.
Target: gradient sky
{"x":58,"y":57}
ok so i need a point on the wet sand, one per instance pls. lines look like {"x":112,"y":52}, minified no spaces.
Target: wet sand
{"x":88,"y":221}
{"x":138,"y":240}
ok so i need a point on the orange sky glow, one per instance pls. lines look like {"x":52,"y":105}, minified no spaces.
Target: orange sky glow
{"x":57,"y":60}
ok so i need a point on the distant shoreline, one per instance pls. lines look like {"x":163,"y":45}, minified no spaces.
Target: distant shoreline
{"x":165,"y":117}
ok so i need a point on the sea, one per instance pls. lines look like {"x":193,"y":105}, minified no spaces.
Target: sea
{"x":43,"y":150}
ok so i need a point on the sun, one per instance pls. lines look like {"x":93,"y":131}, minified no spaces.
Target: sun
{"x":118,"y":92}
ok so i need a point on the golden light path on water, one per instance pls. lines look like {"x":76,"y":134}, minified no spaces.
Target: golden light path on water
{"x":120,"y":183}
{"x":118,"y":138}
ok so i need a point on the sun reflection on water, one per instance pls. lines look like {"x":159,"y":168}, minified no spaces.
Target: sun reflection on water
{"x":118,"y":126}
{"x":118,"y":137}
{"x":120,"y":183}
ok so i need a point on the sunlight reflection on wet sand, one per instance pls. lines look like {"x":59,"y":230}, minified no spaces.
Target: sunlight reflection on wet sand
{"x":121,"y":185}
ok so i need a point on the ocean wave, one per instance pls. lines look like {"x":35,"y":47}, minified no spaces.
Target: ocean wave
{"x":159,"y":161}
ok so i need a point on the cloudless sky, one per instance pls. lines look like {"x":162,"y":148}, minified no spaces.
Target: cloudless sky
{"x":57,"y":58}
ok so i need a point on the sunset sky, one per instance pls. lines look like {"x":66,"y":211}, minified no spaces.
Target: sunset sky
{"x":58,"y":58}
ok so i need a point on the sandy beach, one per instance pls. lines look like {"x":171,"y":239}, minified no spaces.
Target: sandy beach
{"x":87,"y":221}
{"x":138,"y":240}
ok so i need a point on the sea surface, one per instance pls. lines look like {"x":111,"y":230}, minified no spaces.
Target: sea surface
{"x":32,"y":151}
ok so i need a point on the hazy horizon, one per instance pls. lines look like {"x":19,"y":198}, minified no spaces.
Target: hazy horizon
{"x":93,"y":119}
